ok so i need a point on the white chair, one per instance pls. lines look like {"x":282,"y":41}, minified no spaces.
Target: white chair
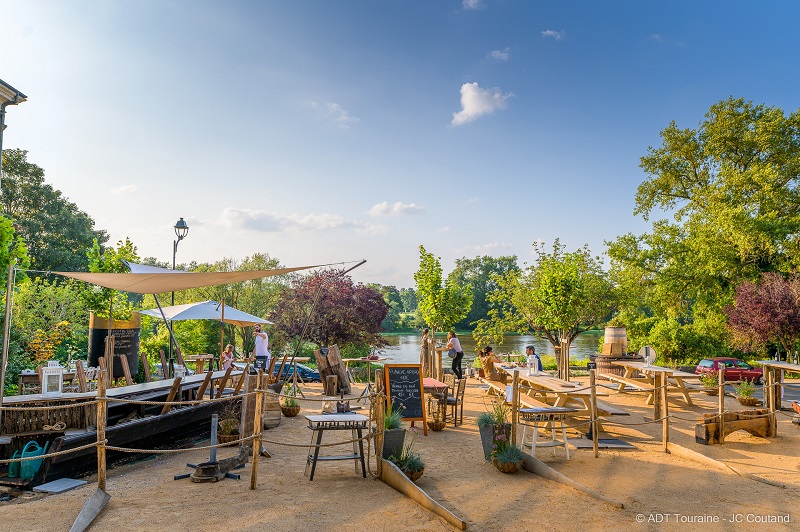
{"x":551,"y":418}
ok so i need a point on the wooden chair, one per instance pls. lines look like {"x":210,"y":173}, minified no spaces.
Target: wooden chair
{"x":456,"y":401}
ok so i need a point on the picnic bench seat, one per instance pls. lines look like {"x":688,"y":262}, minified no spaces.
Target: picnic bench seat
{"x":636,"y":384}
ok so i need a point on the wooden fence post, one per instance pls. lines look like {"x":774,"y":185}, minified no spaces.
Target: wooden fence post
{"x":593,"y":421}
{"x":380,"y":412}
{"x":721,"y":379}
{"x":514,"y":406}
{"x":665,"y":412}
{"x":102,"y":410}
{"x":258,"y":427}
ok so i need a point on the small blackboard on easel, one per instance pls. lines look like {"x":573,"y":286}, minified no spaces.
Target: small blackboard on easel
{"x":403,"y":384}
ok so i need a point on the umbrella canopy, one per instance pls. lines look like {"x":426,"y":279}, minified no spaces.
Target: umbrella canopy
{"x":206,"y":310}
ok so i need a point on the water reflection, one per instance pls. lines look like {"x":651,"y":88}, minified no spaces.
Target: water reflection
{"x":404,"y":349}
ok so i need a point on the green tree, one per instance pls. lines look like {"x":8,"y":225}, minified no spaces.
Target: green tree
{"x":731,"y":186}
{"x":559,"y":297}
{"x":409,"y":298}
{"x":98,"y":299}
{"x":441,"y":304}
{"x":57,"y":232}
{"x":480,"y":274}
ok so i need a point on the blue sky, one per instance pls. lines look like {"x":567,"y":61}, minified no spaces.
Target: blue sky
{"x":320,"y":131}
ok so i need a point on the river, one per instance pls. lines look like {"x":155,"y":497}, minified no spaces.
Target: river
{"x":404,"y":348}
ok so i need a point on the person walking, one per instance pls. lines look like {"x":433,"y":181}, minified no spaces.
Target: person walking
{"x":453,"y":343}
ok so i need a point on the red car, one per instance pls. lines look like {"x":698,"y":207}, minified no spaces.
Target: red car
{"x":735,"y":369}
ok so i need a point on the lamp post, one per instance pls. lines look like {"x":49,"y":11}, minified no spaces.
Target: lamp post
{"x":181,"y":230}
{"x":8,"y":96}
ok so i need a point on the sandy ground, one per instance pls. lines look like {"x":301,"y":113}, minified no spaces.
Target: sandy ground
{"x":658,"y":490}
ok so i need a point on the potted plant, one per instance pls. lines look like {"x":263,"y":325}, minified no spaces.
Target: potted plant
{"x":744,"y":392}
{"x":394,"y":435}
{"x":711,"y":382}
{"x":506,"y":457}
{"x":492,"y":423}
{"x":409,"y":462}
{"x":290,"y":406}
{"x":228,"y":427}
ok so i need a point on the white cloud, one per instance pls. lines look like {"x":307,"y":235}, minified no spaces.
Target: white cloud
{"x":472,"y":200}
{"x":269,"y":222}
{"x":557,"y":35}
{"x":445,"y":229}
{"x":384,"y":209}
{"x":656,"y":37}
{"x":335,"y":113}
{"x":125,"y":190}
{"x":499,"y":55}
{"x":476,"y":102}
{"x":472,"y":4}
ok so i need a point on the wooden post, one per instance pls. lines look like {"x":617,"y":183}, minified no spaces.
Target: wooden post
{"x":102,"y":409}
{"x":145,"y":367}
{"x":331,"y":385}
{"x":181,"y":361}
{"x":514,"y":406}
{"x":201,"y":391}
{"x":200,"y":365}
{"x":771,"y":400}
{"x":665,"y":414}
{"x":258,"y":427}
{"x":164,"y":366}
{"x":176,"y":385}
{"x":102,"y":374}
{"x":380,"y":413}
{"x":126,"y":370}
{"x":657,"y":396}
{"x":224,"y":381}
{"x":593,"y":413}
{"x":81,"y":375}
{"x":721,"y":405}
{"x":241,"y":380}
{"x":439,"y":369}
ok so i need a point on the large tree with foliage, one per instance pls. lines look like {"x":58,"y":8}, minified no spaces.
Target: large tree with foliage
{"x":766,"y":313}
{"x":441,"y":303}
{"x":560,"y":296}
{"x":344,"y":313}
{"x":731,"y":186}
{"x":480,"y":275}
{"x":57,"y":232}
{"x":100,"y":300}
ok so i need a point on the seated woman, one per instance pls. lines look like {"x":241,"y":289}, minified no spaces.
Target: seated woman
{"x":488,"y":360}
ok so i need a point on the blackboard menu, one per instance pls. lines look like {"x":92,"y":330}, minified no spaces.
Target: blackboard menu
{"x":404,"y":387}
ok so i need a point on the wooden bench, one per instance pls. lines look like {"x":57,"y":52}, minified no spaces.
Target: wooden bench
{"x":637,"y":384}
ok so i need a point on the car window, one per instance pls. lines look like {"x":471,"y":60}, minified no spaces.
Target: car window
{"x":706,"y":364}
{"x":742,"y":364}
{"x":727,"y":363}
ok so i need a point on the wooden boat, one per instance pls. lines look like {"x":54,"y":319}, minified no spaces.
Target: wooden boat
{"x":129,"y":425}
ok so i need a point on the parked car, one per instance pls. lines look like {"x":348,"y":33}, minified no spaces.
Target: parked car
{"x":735,"y":369}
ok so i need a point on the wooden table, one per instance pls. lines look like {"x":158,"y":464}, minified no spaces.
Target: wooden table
{"x":433,"y":386}
{"x":318,"y":424}
{"x":648,"y":382}
{"x":548,"y":385}
{"x":200,"y":362}
{"x":26,"y":380}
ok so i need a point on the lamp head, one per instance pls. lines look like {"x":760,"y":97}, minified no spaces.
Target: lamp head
{"x":181,"y":229}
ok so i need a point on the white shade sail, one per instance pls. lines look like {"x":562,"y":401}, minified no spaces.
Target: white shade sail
{"x":205,"y":310}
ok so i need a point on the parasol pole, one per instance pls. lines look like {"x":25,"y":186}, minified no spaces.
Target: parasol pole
{"x":168,"y":324}
{"x":221,"y":331}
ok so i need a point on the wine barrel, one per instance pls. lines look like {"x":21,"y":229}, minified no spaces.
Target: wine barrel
{"x":615,"y":335}
{"x":271,"y":411}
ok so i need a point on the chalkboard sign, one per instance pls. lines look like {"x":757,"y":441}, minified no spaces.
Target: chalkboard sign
{"x":403,"y":384}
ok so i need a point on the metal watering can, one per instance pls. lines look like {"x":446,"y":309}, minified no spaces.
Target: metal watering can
{"x":28,"y":468}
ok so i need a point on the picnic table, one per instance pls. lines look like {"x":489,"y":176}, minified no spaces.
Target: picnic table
{"x":548,"y":385}
{"x":648,"y":382}
{"x":776,"y":369}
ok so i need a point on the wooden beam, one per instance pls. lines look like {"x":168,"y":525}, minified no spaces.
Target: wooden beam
{"x":201,"y":391}
{"x":126,"y":370}
{"x":145,"y":367}
{"x":81,"y":375}
{"x":242,"y":377}
{"x":164,"y":366}
{"x":176,"y":385}
{"x":534,"y":465}
{"x":224,"y":382}
{"x":683,"y":452}
{"x":391,"y":475}
{"x":180,"y":356}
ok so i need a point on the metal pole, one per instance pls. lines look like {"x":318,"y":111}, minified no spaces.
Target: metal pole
{"x":6,"y":333}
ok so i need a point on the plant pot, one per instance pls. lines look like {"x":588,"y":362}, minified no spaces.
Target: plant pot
{"x":393,"y":440}
{"x":748,"y":401}
{"x":227,"y":438}
{"x":290,"y":411}
{"x":506,"y":467}
{"x":487,"y":437}
{"x":413,"y":476}
{"x":714,"y":391}
{"x":436,"y":425}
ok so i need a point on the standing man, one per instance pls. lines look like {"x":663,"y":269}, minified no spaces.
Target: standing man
{"x":530,"y":351}
{"x":262,"y":345}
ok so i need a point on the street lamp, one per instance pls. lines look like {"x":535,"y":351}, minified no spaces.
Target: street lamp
{"x":181,"y":230}
{"x":8,"y":96}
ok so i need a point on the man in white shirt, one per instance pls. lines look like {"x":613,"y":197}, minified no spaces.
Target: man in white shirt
{"x":262,"y":345}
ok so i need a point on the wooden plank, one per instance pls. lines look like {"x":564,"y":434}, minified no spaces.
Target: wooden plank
{"x":240,"y":382}
{"x":91,"y":508}
{"x":81,"y":374}
{"x":164,"y":366}
{"x":176,"y":385}
{"x":529,"y":463}
{"x":199,"y":366}
{"x":126,"y":370}
{"x":145,"y":366}
{"x":104,"y":373}
{"x":224,"y":382}
{"x":391,"y":475}
{"x":202,"y":390}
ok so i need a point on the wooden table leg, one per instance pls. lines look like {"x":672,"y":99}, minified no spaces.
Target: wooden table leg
{"x":316,"y":454}
{"x":361,"y":453}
